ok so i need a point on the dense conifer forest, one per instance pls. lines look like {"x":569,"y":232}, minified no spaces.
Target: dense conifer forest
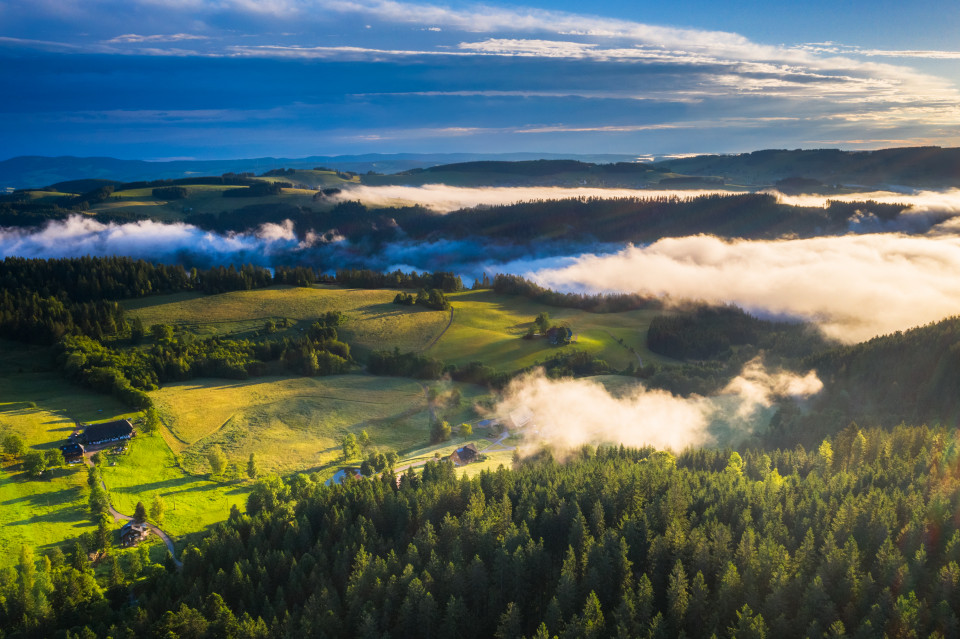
{"x":856,"y":537}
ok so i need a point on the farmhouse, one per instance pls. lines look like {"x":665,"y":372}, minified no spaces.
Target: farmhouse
{"x":133,"y":533}
{"x":72,"y":453}
{"x":108,"y":432}
{"x":466,"y":455}
{"x":520,"y":417}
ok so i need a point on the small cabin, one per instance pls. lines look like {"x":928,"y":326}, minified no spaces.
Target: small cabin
{"x":133,"y":533}
{"x":466,"y":455}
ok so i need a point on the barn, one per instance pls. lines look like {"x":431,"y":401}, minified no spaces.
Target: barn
{"x":107,"y":433}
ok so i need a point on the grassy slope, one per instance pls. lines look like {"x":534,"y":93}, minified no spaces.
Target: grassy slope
{"x":489,"y":328}
{"x":291,"y":423}
{"x":373,"y":322}
{"x":39,"y":405}
{"x":203,"y":198}
{"x":486,"y":327}
{"x":148,"y":468}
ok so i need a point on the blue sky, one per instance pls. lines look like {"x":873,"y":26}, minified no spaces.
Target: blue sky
{"x":156,"y":79}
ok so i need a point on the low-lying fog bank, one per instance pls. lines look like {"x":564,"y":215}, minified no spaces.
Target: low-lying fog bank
{"x":444,"y":198}
{"x":853,"y":286}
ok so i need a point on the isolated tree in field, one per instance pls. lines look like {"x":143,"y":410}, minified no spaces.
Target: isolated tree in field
{"x":13,"y":445}
{"x":466,"y":430}
{"x":156,"y":509}
{"x":543,"y":322}
{"x":53,"y":458}
{"x":364,"y":440}
{"x":455,"y":398}
{"x":34,"y":463}
{"x":151,"y":420}
{"x":140,"y":513}
{"x":440,"y":431}
{"x":217,"y":460}
{"x":161,"y":331}
{"x":252,"y":470}
{"x":349,"y":446}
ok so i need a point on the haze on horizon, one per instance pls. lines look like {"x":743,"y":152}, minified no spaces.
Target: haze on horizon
{"x":143,"y":79}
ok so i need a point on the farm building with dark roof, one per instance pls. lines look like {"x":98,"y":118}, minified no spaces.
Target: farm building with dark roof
{"x":72,"y":453}
{"x":466,"y":455}
{"x":108,"y":432}
{"x":133,"y":532}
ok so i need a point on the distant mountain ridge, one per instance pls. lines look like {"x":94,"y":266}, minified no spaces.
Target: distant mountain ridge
{"x":930,"y":166}
{"x":26,"y":172}
{"x":923,"y":167}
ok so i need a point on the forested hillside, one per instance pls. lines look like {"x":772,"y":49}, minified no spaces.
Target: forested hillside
{"x":856,"y":538}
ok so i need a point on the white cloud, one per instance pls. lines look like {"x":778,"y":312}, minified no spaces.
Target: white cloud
{"x":174,"y":37}
{"x":854,"y":287}
{"x":568,"y":413}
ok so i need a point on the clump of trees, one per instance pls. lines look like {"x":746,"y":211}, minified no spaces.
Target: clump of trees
{"x":170,"y":193}
{"x":258,"y":189}
{"x":397,"y":364}
{"x":609,"y":303}
{"x":443,"y":281}
{"x":434,"y":298}
{"x":440,"y":430}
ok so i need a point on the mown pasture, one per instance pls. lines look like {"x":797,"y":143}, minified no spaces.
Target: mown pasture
{"x":290,"y":423}
{"x":40,"y":406}
{"x":485,"y":326}
{"x":373,"y":322}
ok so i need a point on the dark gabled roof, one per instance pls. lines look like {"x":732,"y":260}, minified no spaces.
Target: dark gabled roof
{"x":133,"y":526}
{"x":108,"y":430}
{"x":467,"y":452}
{"x":69,"y":450}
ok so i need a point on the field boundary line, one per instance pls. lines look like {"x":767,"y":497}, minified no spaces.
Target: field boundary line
{"x":442,"y":333}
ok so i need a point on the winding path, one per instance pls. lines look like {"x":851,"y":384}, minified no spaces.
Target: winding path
{"x":117,"y":516}
{"x":441,"y":334}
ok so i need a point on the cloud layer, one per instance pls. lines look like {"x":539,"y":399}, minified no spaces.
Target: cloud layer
{"x":336,"y":76}
{"x":568,"y":413}
{"x":854,"y":287}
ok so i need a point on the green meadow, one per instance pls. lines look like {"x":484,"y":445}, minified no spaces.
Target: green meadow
{"x":148,"y":468}
{"x":290,"y":423}
{"x":37,"y":404}
{"x":373,"y":322}
{"x":201,"y":198}
{"x":486,"y":327}
{"x":489,"y":328}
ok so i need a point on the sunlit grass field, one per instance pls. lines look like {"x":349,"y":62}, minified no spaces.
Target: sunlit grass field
{"x":489,"y":328}
{"x":201,"y":198}
{"x":40,"y":406}
{"x":290,"y":423}
{"x":373,"y":321}
{"x":486,"y":327}
{"x":149,"y":468}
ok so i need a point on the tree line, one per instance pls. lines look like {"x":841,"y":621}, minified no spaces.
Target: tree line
{"x":43,"y":300}
{"x":128,"y":374}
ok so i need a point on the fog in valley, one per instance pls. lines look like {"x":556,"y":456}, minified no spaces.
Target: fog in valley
{"x":877,"y":278}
